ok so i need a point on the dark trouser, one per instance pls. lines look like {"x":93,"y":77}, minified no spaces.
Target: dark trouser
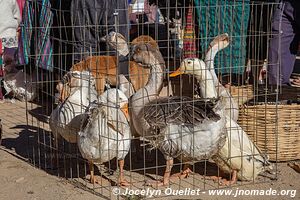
{"x":93,"y":19}
{"x":284,"y":43}
{"x":9,"y":64}
{"x":10,"y":60}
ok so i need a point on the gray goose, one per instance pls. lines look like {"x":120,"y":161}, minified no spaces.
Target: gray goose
{"x":172,"y":123}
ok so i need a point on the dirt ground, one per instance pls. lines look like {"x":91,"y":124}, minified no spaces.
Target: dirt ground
{"x":25,"y":174}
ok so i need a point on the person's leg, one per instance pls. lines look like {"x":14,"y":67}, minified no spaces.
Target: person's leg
{"x":122,"y":27}
{"x":93,"y":19}
{"x":1,"y":77}
{"x":78,"y":29}
{"x":296,"y":5}
{"x":86,"y":15}
{"x":281,"y":56}
{"x":9,"y":60}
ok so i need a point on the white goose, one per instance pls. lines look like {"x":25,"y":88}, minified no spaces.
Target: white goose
{"x":231,"y":106}
{"x":105,"y":132}
{"x":239,"y":155}
{"x":65,"y":119}
{"x":172,"y":123}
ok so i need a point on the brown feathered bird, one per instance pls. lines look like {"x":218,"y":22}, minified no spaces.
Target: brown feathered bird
{"x":104,"y":68}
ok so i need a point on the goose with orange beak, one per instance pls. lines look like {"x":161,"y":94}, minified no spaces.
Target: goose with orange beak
{"x":239,"y":157}
{"x":105,"y":132}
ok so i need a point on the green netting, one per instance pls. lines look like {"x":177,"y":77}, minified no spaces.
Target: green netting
{"x":225,"y":16}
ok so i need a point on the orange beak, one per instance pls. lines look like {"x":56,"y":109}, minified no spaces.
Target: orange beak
{"x":125,"y":110}
{"x":176,"y":73}
{"x":63,"y":94}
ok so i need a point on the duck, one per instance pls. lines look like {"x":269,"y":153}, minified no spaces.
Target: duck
{"x":171,"y":124}
{"x":239,"y":157}
{"x":218,"y":43}
{"x":78,"y":90}
{"x":105,"y":132}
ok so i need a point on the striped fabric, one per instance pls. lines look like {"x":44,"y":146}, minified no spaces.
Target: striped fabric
{"x":44,"y":48}
{"x":21,"y":4}
{"x":225,"y":16}
{"x":189,"y":43}
{"x":25,"y":32}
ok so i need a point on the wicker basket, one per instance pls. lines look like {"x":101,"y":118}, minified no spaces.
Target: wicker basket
{"x":259,"y":122}
{"x":242,"y":94}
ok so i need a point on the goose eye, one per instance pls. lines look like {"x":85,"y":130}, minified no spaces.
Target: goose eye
{"x":189,"y":62}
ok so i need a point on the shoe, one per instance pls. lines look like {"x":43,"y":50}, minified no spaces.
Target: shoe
{"x":295,"y":82}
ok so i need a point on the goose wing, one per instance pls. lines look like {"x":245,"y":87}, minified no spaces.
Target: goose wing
{"x":241,"y":154}
{"x":115,"y":117}
{"x":178,"y":110}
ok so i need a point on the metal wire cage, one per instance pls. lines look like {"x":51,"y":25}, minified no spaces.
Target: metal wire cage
{"x":180,"y":30}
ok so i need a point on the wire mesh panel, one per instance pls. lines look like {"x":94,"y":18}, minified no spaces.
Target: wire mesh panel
{"x":148,"y":95}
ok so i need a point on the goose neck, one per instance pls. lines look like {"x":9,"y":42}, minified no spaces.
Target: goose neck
{"x":155,"y":81}
{"x":209,"y":61}
{"x":207,"y":85}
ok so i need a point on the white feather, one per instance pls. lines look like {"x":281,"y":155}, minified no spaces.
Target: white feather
{"x":241,"y":154}
{"x":107,"y":134}
{"x":66,"y":118}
